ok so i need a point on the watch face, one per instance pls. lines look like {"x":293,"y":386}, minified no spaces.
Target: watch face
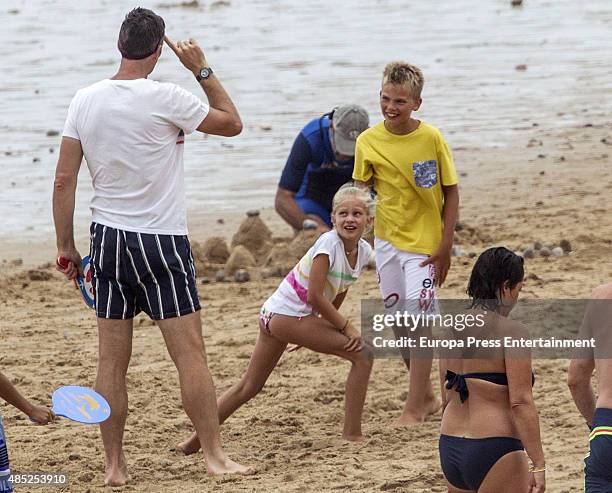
{"x":205,"y":73}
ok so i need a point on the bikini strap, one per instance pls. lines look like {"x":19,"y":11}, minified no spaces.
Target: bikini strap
{"x":457,"y":382}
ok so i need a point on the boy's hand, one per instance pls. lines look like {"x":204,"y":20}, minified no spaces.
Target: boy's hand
{"x":189,"y":53}
{"x":354,"y":339}
{"x":441,"y":259}
{"x":41,"y":415}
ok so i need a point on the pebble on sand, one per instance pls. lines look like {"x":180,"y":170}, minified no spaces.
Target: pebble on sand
{"x":529,"y":253}
{"x":557,"y":252}
{"x":242,"y":275}
{"x":537,"y":245}
{"x":545,"y":252}
{"x":220,"y":276}
{"x":521,"y":67}
{"x":252,"y":213}
{"x":566,"y":245}
{"x":52,"y":133}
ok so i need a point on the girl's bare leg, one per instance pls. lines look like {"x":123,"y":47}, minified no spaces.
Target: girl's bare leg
{"x":319,"y":335}
{"x":266,"y":354}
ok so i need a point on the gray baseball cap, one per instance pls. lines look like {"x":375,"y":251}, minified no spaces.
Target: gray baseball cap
{"x":349,"y":121}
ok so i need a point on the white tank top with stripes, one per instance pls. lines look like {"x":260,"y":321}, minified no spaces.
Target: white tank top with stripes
{"x":291,"y":297}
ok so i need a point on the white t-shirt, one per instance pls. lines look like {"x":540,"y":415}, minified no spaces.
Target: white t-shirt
{"x":291,"y":297}
{"x":132,"y":134}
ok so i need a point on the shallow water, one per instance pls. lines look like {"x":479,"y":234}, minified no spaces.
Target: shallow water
{"x":285,"y":62}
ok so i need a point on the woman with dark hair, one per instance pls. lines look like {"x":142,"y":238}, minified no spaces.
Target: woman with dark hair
{"x":490,"y":426}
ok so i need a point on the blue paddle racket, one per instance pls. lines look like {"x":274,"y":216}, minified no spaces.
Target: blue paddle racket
{"x":80,"y":404}
{"x":85,"y":282}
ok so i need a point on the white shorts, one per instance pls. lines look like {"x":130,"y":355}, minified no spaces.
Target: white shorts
{"x":402,"y":278}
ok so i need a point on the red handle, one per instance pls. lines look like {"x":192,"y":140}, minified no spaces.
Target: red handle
{"x":63,"y":262}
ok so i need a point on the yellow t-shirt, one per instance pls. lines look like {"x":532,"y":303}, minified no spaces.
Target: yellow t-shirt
{"x":409,"y":171}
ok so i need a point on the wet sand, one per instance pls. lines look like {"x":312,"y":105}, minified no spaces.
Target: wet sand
{"x":287,"y":62}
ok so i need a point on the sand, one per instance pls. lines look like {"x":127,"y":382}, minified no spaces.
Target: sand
{"x":291,"y":431}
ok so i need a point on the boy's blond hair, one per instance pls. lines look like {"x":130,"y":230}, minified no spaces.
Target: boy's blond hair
{"x":404,"y":74}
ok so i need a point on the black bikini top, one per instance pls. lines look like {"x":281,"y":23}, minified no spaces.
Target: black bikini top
{"x":457,"y":381}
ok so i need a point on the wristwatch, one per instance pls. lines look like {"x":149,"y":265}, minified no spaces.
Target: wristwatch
{"x":204,"y":74}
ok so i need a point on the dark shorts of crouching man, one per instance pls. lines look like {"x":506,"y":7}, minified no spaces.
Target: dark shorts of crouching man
{"x":134,"y":272}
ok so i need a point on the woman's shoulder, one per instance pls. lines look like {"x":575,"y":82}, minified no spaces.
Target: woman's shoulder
{"x":508,"y":327}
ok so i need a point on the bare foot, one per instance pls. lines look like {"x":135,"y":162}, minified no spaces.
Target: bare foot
{"x":116,"y":476}
{"x":412,"y":417}
{"x":408,"y":418}
{"x":353,"y":438}
{"x":227,"y":466}
{"x":189,"y":446}
{"x":433,"y":406}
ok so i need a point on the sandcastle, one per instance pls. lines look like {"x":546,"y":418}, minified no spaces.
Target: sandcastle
{"x":253,"y":253}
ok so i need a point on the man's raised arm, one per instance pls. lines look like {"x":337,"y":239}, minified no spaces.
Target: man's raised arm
{"x":223,"y":118}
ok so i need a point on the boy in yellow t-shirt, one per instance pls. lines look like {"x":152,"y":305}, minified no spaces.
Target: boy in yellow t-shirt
{"x":410,"y":167}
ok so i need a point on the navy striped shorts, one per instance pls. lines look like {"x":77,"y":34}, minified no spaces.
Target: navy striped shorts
{"x":135,"y":272}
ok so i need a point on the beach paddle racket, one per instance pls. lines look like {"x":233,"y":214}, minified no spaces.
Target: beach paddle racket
{"x":85,"y":282}
{"x":80,"y":404}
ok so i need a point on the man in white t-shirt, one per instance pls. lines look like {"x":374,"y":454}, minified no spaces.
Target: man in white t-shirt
{"x":131,"y":130}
